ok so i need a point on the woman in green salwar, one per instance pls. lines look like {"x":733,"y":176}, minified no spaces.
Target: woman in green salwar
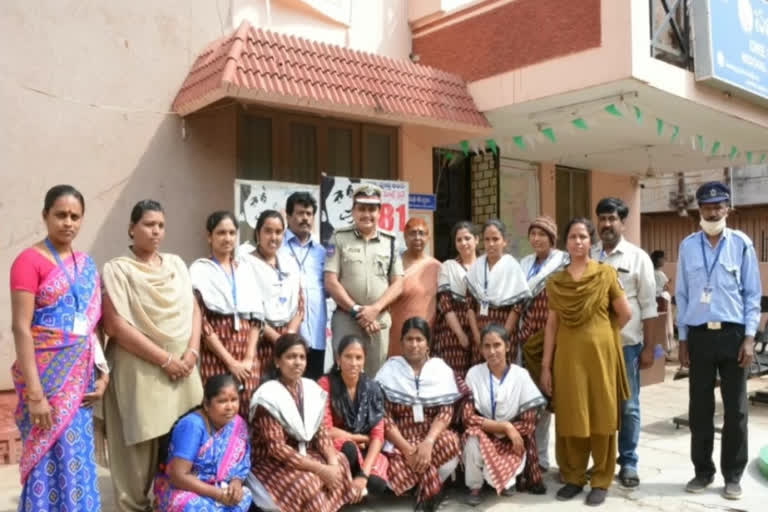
{"x":583,"y":366}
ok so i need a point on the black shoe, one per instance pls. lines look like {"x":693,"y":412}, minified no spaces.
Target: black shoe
{"x":538,"y":489}
{"x":628,"y":478}
{"x":434,"y":502}
{"x":732,"y":491}
{"x":596,"y":496}
{"x":568,"y":492}
{"x":699,"y":483}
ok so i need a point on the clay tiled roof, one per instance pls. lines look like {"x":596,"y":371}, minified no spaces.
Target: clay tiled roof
{"x":263,"y":66}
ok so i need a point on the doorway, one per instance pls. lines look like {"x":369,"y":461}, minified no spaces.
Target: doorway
{"x":454,"y":198}
{"x":572,"y":197}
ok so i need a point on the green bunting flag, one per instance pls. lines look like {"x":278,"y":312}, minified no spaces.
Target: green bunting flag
{"x":659,"y":126}
{"x":492,"y":144}
{"x":700,"y":138}
{"x":675,"y":133}
{"x":715,"y":147}
{"x":519,"y":141}
{"x":448,"y":156}
{"x":638,"y":114}
{"x":580,"y":123}
{"x":749,"y":157}
{"x":613,"y":110}
{"x":465,"y":147}
{"x":762,"y":158}
{"x":733,"y":153}
{"x":549,"y":133}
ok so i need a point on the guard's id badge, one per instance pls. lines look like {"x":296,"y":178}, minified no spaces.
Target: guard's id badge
{"x":80,"y":325}
{"x":303,"y":449}
{"x":418,"y":413}
{"x":484,"y":308}
{"x":706,"y":295}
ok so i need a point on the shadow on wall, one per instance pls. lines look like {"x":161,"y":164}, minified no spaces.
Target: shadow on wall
{"x":189,"y":167}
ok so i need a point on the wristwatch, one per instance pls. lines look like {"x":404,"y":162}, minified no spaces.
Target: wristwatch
{"x":355,"y":310}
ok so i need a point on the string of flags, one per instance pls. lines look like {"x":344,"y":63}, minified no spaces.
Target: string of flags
{"x":668,"y":132}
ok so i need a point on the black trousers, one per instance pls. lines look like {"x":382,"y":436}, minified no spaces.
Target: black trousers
{"x":716,"y":353}
{"x":315,"y":364}
{"x":375,"y":485}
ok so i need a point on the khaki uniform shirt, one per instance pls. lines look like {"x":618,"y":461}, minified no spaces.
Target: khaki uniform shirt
{"x":363,"y":266}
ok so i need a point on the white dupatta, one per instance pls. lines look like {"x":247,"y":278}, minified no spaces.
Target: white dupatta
{"x":556,"y":260}
{"x":452,"y":278}
{"x":515,"y":395}
{"x":435,"y":386}
{"x":280,"y":287}
{"x":215,"y":286}
{"x":503,"y":285}
{"x":278,"y":401}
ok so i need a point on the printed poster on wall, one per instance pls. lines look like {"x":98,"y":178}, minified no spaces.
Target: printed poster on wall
{"x":336,"y":205}
{"x":253,"y":197}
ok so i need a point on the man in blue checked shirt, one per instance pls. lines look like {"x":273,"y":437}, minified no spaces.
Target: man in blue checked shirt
{"x":309,"y":254}
{"x":718,"y":294}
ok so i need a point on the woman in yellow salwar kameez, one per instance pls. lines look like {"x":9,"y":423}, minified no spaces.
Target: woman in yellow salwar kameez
{"x":588,"y":381}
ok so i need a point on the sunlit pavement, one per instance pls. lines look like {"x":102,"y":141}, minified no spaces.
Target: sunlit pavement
{"x":664,"y":468}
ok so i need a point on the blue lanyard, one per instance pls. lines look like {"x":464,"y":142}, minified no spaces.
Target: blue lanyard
{"x":711,"y":268}
{"x":417,"y":380}
{"x":493,"y":398}
{"x":486,"y":277}
{"x":276,"y":268}
{"x":300,"y":263}
{"x":72,"y":279}
{"x":536,"y":268}
{"x":230,"y":278}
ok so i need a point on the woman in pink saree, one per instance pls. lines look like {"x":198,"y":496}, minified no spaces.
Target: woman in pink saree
{"x":56,"y":305}
{"x":209,"y":456}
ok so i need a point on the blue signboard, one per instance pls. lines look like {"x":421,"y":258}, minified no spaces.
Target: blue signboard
{"x":732,"y":44}
{"x":422,"y":202}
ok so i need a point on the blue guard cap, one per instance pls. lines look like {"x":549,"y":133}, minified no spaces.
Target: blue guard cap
{"x":713,"y":192}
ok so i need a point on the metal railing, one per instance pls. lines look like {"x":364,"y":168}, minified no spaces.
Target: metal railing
{"x":671,"y":39}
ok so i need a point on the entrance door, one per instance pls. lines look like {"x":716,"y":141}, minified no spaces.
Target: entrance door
{"x":518,"y":202}
{"x":454,"y":200}
{"x":571,"y":195}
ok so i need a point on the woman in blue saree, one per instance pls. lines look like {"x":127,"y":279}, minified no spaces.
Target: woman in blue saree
{"x":209,"y":456}
{"x":56,"y":306}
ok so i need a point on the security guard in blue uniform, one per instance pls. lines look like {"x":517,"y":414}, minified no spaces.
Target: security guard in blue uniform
{"x":718,"y":293}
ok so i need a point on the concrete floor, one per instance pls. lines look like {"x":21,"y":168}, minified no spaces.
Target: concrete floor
{"x":664,"y":468}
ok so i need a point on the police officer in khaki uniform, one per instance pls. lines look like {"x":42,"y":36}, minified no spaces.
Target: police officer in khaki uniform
{"x":363,"y":274}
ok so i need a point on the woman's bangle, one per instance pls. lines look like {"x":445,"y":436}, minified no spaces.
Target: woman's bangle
{"x":170,"y":356}
{"x":195,"y":352}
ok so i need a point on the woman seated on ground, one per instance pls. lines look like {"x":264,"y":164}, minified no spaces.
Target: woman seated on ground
{"x":500,"y":441}
{"x":208,"y":456}
{"x":354,"y":417}
{"x":420,"y":393}
{"x":295,"y":466}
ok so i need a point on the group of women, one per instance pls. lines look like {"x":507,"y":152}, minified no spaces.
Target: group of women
{"x":248,"y":428}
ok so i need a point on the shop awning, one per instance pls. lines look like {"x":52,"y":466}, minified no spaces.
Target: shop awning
{"x":255,"y":65}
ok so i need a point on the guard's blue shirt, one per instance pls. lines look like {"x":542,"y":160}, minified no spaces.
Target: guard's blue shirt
{"x":310,"y":258}
{"x":733,"y":284}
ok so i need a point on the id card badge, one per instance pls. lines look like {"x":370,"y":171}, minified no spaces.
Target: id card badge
{"x":484,"y":308}
{"x":237,"y":321}
{"x":418,"y":413}
{"x":80,"y":325}
{"x":706,"y":295}
{"x":303,"y":449}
